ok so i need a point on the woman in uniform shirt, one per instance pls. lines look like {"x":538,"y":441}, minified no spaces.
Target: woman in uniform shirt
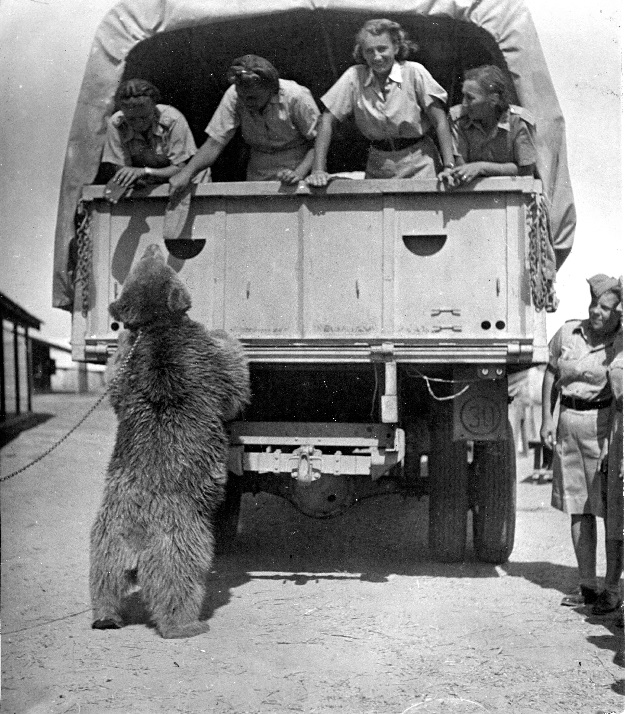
{"x":278,"y":121}
{"x":580,"y":354}
{"x":491,"y":136}
{"x":394,"y":103}
{"x":145,"y":139}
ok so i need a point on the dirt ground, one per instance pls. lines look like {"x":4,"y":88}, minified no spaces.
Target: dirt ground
{"x":347,"y":615}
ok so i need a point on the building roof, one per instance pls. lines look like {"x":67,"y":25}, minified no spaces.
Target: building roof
{"x":12,"y":311}
{"x":51,"y":343}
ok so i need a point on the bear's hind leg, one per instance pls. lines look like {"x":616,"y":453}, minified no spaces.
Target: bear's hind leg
{"x":172,"y":576}
{"x":110,"y":572}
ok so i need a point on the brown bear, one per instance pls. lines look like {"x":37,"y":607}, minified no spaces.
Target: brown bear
{"x":174,"y":384}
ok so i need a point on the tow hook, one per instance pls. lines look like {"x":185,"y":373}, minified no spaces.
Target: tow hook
{"x":304,"y":469}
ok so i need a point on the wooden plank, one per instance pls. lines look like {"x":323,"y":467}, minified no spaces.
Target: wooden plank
{"x":523,"y":184}
{"x":388,"y":266}
{"x":219,"y":268}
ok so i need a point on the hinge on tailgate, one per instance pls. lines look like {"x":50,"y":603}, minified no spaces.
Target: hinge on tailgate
{"x":453,"y":328}
{"x":520,"y":352}
{"x":436,"y":311}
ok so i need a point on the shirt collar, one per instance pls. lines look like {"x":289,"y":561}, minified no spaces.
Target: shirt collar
{"x":582,"y":329}
{"x":158,"y":128}
{"x":274,"y":99}
{"x":277,"y":97}
{"x":394,"y":76}
{"x":503,"y":123}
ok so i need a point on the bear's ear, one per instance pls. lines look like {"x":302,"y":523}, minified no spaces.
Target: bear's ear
{"x":121,"y":312}
{"x":178,"y":299}
{"x":115,"y":310}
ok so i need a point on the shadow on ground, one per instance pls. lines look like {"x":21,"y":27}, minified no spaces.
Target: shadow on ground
{"x":14,"y":426}
{"x":375,"y":539}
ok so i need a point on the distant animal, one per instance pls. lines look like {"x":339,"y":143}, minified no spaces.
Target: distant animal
{"x":167,"y":475}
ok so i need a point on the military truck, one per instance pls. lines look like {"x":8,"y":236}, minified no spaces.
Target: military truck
{"x":381,"y":318}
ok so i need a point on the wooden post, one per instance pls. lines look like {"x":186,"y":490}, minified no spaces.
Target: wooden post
{"x":16,"y":362}
{"x":29,"y":371}
{"x":83,"y":378}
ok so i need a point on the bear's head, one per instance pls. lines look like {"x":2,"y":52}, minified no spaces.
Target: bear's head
{"x":152,"y":292}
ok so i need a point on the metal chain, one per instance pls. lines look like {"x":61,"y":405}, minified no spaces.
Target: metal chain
{"x":541,"y":255}
{"x":414,"y":370}
{"x":467,"y":383}
{"x":101,"y":398}
{"x":444,"y":399}
{"x":84,"y":245}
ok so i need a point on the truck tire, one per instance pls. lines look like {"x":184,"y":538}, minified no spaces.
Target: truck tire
{"x":448,"y":471}
{"x":226,"y":522}
{"x":494,"y":510}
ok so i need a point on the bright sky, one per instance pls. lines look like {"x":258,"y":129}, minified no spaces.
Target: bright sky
{"x":44,"y":46}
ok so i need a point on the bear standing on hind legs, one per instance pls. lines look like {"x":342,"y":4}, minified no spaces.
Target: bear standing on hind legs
{"x":167,"y":474}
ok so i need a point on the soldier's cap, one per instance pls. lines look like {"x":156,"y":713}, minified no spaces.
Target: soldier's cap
{"x":252,"y":69}
{"x":600,"y":283}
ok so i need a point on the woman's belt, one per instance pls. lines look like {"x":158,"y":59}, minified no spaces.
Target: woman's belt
{"x":395,"y":144}
{"x":584,"y":405}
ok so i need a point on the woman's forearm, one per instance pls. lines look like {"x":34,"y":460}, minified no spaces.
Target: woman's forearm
{"x":549,"y":394}
{"x":441,"y":125}
{"x":163,"y":174}
{"x":303,"y":169}
{"x":205,"y":156}
{"x":491,"y":168}
{"x":322,"y":142}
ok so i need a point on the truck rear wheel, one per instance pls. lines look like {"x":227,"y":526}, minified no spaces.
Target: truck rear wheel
{"x":448,"y":470}
{"x":494,"y":510}
{"x":226,"y":520}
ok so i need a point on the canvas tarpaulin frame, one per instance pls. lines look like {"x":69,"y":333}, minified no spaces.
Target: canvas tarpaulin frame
{"x":130,"y":22}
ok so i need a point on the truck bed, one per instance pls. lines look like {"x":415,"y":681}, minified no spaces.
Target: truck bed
{"x":339,"y":274}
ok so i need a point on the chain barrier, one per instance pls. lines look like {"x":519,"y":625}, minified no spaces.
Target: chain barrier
{"x":84,"y":250}
{"x":542,"y":261}
{"x":101,"y":398}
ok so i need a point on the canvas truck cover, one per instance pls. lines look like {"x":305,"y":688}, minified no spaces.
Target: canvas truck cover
{"x":190,"y":43}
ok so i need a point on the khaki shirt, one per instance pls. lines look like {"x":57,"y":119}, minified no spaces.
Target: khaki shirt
{"x":398,"y":112}
{"x":510,"y":141}
{"x":581,"y":369}
{"x":289,"y":120}
{"x":169,"y":141}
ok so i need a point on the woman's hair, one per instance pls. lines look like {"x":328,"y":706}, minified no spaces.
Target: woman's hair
{"x":253,"y":71}
{"x":394,"y":30}
{"x":134,"y":90}
{"x":492,"y":80}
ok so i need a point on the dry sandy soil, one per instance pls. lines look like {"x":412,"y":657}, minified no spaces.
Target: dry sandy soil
{"x":348,"y":615}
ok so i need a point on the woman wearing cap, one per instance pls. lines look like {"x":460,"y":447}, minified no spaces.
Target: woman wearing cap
{"x":278,"y":120}
{"x":491,"y":136}
{"x":394,"y":103}
{"x":144,"y":138}
{"x":580,"y":354}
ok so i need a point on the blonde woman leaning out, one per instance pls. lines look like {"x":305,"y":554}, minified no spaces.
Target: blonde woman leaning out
{"x":394,"y":103}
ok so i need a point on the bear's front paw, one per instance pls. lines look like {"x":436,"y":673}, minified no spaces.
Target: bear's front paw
{"x":107,"y":623}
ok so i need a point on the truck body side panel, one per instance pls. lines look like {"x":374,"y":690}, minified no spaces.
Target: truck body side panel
{"x":360,"y":264}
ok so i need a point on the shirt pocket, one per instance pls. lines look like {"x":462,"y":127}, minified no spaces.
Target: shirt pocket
{"x":587,"y":368}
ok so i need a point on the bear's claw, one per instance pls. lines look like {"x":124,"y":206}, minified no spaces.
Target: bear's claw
{"x":106,"y":623}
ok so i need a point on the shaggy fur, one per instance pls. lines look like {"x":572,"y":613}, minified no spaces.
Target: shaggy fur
{"x":167,"y":474}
